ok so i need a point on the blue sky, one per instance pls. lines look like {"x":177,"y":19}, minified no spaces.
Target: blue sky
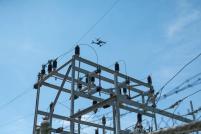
{"x":153,"y":38}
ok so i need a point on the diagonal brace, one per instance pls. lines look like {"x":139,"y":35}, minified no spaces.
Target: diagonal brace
{"x":58,"y":94}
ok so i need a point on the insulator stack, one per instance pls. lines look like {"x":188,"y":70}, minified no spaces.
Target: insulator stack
{"x":49,"y":68}
{"x":149,"y":80}
{"x":96,"y":131}
{"x":94,"y":103}
{"x":125,"y":91}
{"x":77,"y":50}
{"x":51,"y":106}
{"x":87,"y":80}
{"x":92,"y":79}
{"x":54,"y":64}
{"x":139,"y":118}
{"x":39,"y":76}
{"x":98,"y":70}
{"x":43,"y":70}
{"x":127,"y":80}
{"x":103,"y":120}
{"x":98,"y":89}
{"x":79,"y":86}
{"x":76,"y":97}
{"x":117,"y":66}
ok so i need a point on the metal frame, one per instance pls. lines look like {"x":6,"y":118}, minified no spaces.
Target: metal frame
{"x":113,"y":96}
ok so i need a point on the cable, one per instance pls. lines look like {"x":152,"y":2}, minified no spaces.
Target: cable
{"x":63,"y":105}
{"x":191,"y":61}
{"x":15,"y":120}
{"x":177,"y":103}
{"x":98,"y":21}
{"x":193,"y":112}
{"x":191,"y":94}
{"x":92,"y":49}
{"x":90,"y":29}
{"x":14,"y":99}
{"x":178,"y":89}
{"x":65,"y":53}
{"x":186,"y":81}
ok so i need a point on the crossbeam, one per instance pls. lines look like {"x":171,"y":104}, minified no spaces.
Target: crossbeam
{"x":154,"y":110}
{"x":94,"y":107}
{"x":111,"y":71}
{"x":81,"y":94}
{"x":75,"y":120}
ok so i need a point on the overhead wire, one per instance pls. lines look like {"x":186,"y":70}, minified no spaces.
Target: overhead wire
{"x":89,"y":30}
{"x":14,"y":99}
{"x":98,"y":21}
{"x":184,"y":82}
{"x":177,"y":103}
{"x":177,"y":73}
{"x":94,"y":50}
{"x":197,"y":82}
{"x":193,"y":112}
{"x":15,"y":120}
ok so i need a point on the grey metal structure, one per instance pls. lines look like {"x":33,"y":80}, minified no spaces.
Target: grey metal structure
{"x":137,"y":100}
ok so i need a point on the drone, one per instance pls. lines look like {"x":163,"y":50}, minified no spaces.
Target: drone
{"x":98,"y":42}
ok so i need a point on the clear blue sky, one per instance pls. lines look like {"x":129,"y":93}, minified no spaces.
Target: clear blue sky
{"x":154,"y":38}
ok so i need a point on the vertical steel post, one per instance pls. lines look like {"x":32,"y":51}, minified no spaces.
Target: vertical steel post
{"x":72,"y":94}
{"x":117,"y":91}
{"x":155,"y":121}
{"x":79,"y":127}
{"x":104,"y":129}
{"x":36,"y":109}
{"x":114,"y":115}
{"x":192,"y":109}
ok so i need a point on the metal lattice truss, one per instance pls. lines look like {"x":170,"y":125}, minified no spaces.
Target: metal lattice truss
{"x":88,"y":89}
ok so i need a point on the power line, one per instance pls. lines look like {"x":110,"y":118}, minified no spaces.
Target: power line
{"x":193,"y":112}
{"x":95,"y":52}
{"x":15,"y":120}
{"x":90,"y":29}
{"x":98,"y":21}
{"x":179,"y":88}
{"x":191,"y":61}
{"x":14,"y":99}
{"x":177,"y":103}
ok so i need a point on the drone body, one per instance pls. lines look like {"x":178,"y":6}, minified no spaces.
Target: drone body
{"x":98,"y":42}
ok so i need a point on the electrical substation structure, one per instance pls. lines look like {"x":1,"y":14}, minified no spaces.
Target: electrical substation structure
{"x":106,"y":88}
